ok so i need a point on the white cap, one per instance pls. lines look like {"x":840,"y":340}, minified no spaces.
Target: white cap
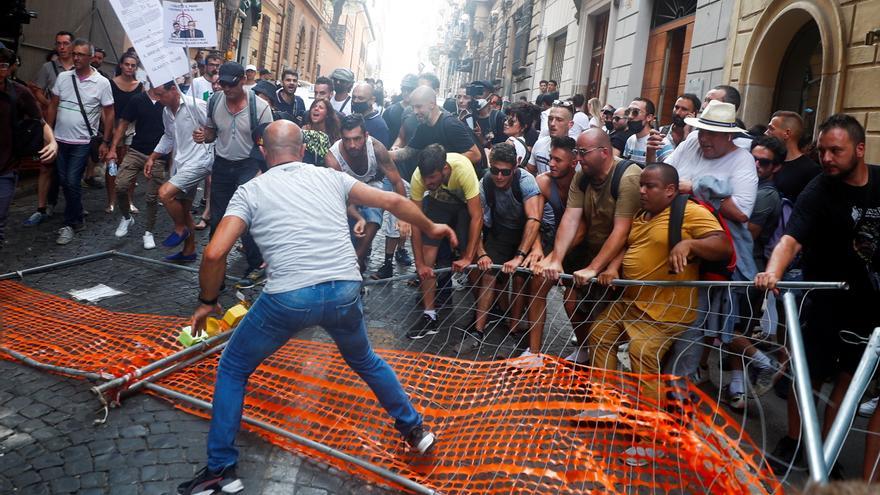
{"x":251,"y":67}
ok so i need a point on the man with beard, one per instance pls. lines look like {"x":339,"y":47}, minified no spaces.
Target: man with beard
{"x":343,"y":80}
{"x":641,"y":116}
{"x":394,"y":114}
{"x":620,"y":131}
{"x":835,"y":226}
{"x":363,"y":102}
{"x":687,"y":105}
{"x":202,"y":88}
{"x":286,"y":99}
{"x":365,"y":158}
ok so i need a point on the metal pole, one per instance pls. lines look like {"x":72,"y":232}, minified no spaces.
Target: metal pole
{"x":324,"y":449}
{"x":59,"y":264}
{"x":804,"y":389}
{"x":849,"y":405}
{"x":163,"y":263}
{"x":100,"y":389}
{"x":57,"y":369}
{"x":175,"y":367}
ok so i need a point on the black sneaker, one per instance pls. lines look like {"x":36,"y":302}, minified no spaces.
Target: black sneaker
{"x":207,"y":482}
{"x":784,"y":456}
{"x":252,"y":278}
{"x":385,"y":271}
{"x":403,"y":257}
{"x":420,"y":440}
{"x":424,"y":327}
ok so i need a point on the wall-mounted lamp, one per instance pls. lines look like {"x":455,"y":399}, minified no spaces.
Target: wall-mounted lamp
{"x":872,"y":37}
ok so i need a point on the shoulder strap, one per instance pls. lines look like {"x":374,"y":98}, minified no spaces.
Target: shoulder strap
{"x":212,"y":104}
{"x":617,"y":175}
{"x":82,"y":109}
{"x":13,"y":114}
{"x":528,"y":154}
{"x":517,"y":188}
{"x":55,"y":68}
{"x":676,"y":219}
{"x":252,"y":109}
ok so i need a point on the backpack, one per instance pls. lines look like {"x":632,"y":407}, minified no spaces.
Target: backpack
{"x":709,"y":270}
{"x":489,"y":188}
{"x":528,"y":154}
{"x":786,"y":208}
{"x":27,"y":133}
{"x":252,"y":107}
{"x":616,"y":176}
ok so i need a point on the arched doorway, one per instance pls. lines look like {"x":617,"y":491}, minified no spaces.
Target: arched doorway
{"x":797,"y":87}
{"x":794,"y":60}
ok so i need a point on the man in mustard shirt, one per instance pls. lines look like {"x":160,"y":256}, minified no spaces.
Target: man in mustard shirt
{"x":651,"y":317}
{"x":446,"y":188}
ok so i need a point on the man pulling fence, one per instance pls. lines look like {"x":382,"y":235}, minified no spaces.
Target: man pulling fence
{"x":289,"y":210}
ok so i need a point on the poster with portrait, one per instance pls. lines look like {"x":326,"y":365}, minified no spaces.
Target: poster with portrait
{"x":142,"y":22}
{"x":191,"y":25}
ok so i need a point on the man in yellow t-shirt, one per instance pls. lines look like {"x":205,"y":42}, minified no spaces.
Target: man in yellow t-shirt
{"x":446,"y":188}
{"x":652,"y":316}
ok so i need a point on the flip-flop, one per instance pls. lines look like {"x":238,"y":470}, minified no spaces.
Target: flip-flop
{"x":202,"y":225}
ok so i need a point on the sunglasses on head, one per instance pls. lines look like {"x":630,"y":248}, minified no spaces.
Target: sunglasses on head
{"x":563,"y":103}
{"x":500,"y":171}
{"x":764,"y":162}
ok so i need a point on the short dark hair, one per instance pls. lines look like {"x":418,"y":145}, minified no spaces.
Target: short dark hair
{"x":324,"y":80}
{"x":65,"y":33}
{"x":543,"y":81}
{"x":578,"y":100}
{"x":731,"y":95}
{"x":432,"y":159}
{"x":353,"y":121}
{"x":694,"y":99}
{"x":668,"y":173}
{"x":503,"y":152}
{"x":285,"y":73}
{"x":214,"y":55}
{"x":7,"y":56}
{"x":167,"y":86}
{"x":565,"y":142}
{"x":846,"y":122}
{"x":82,"y":42}
{"x":431,"y":78}
{"x":124,"y":56}
{"x":649,"y":105}
{"x":553,"y":81}
{"x":773,"y":144}
{"x":101,"y":51}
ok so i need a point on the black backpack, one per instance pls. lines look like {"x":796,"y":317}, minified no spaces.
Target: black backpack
{"x":616,"y":176}
{"x":27,"y":133}
{"x":709,"y":270}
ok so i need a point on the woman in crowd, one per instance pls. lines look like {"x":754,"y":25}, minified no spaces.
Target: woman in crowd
{"x":518,"y":123}
{"x":321,"y":130}
{"x":125,"y":86}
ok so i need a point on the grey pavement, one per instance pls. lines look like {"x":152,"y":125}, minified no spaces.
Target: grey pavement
{"x":48,"y":443}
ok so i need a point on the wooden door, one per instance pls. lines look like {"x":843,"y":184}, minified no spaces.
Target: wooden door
{"x":597,"y":55}
{"x":666,"y":65}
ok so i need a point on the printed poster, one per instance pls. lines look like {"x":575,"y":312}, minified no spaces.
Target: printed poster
{"x":142,"y":22}
{"x":190,"y":24}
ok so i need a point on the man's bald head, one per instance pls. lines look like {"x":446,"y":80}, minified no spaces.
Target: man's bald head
{"x":362,"y":91}
{"x":282,"y":143}
{"x":423,"y":95}
{"x":594,"y":137}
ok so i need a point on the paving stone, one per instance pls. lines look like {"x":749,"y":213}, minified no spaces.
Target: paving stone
{"x":124,"y":475}
{"x":40,"y":488}
{"x":181,"y":471}
{"x":19,"y":403}
{"x":12,"y":420}
{"x":67,"y":484}
{"x":35,"y":410}
{"x":171,"y":455}
{"x":166,"y":441}
{"x":106,"y":462}
{"x":47,"y":460}
{"x":143,"y":457}
{"x":45,"y":433}
{"x":91,"y":491}
{"x":277,"y":488}
{"x":17,"y":440}
{"x":99,"y":447}
{"x":26,"y":478}
{"x":159,"y":488}
{"x":131,"y":444}
{"x":125,"y":490}
{"x":79,"y":465}
{"x":76,"y":452}
{"x":134,"y":431}
{"x":51,"y":473}
{"x":57,"y":443}
{"x":93,"y":480}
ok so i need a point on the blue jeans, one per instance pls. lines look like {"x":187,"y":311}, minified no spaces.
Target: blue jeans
{"x":70,"y":165}
{"x":226,"y":176}
{"x":275,"y":318}
{"x":7,"y":191}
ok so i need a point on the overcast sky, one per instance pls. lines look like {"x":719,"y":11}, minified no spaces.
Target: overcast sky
{"x":411,"y":26}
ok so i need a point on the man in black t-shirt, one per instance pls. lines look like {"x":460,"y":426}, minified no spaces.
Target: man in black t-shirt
{"x":393,"y":115}
{"x":145,"y":111}
{"x":437,"y":127}
{"x":836,"y":224}
{"x":797,"y":170}
{"x":620,"y":133}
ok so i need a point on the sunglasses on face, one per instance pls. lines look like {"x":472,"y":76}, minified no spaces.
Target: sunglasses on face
{"x":632,"y":112}
{"x":618,"y":118}
{"x":224,"y":84}
{"x":607,"y":112}
{"x":764,"y":162}
{"x":510,"y":122}
{"x":585,"y":151}
{"x":4,"y":66}
{"x":500,"y":171}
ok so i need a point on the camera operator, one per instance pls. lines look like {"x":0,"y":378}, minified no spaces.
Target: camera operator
{"x":488,"y":125}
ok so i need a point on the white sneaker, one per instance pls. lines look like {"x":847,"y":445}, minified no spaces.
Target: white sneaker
{"x":124,"y":224}
{"x":65,"y":235}
{"x":579,"y":356}
{"x":528,"y":361}
{"x":867,"y":408}
{"x":149,"y":242}
{"x":133,"y":209}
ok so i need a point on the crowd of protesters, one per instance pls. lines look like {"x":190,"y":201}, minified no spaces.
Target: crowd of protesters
{"x":531,"y":192}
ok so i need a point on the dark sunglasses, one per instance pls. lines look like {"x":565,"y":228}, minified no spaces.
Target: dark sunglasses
{"x":618,"y":118}
{"x":511,"y":121}
{"x":224,"y":84}
{"x":632,"y":112}
{"x":585,"y":151}
{"x":764,"y":162}
{"x":500,"y":171}
{"x":607,"y":112}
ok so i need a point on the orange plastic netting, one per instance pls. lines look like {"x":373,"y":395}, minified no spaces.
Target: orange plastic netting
{"x":500,"y":429}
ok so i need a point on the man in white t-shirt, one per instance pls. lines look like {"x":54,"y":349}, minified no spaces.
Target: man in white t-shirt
{"x":581,"y":121}
{"x":292,"y":210}
{"x":559,"y":122}
{"x":81,"y":100}
{"x":343,"y":81}
{"x":641,"y":117}
{"x":202,"y":88}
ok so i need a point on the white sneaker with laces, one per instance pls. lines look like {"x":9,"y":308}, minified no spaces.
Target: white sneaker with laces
{"x":133,"y":209}
{"x":124,"y":224}
{"x":866,"y":409}
{"x":65,"y":235}
{"x":149,"y":242}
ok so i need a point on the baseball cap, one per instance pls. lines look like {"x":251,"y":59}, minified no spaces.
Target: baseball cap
{"x":263,"y":72}
{"x":265,"y":87}
{"x":231,"y":72}
{"x":251,"y":67}
{"x":342,"y":75}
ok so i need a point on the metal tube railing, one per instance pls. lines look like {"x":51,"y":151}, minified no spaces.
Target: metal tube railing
{"x":324,"y":449}
{"x":804,"y":389}
{"x":58,"y":369}
{"x":60,"y":264}
{"x":850,"y":404}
